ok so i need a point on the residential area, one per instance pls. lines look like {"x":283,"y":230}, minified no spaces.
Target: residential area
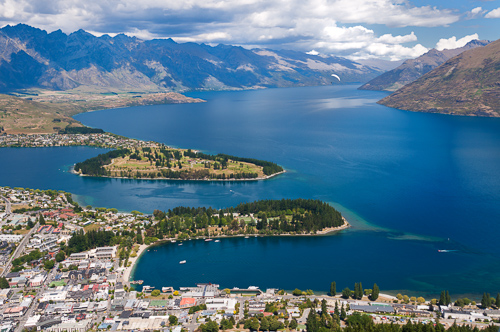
{"x":54,"y":279}
{"x":103,"y":140}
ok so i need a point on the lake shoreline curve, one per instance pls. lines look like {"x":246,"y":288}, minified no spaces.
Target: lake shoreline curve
{"x":129,"y":272}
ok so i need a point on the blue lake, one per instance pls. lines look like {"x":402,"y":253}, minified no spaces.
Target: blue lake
{"x":410,"y":183}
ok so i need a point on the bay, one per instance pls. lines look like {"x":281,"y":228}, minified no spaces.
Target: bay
{"x":410,"y":183}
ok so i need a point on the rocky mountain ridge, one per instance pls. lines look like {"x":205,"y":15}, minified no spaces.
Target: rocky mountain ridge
{"x":413,"y":69}
{"x":468,"y":84}
{"x":31,"y":58}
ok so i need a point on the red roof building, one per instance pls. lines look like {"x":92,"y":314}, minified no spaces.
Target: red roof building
{"x":187,"y":302}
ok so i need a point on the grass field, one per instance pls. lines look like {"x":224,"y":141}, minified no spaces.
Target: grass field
{"x":147,"y":165}
{"x":92,"y":227}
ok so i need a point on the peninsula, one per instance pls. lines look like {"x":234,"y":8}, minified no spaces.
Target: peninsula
{"x":139,"y":159}
{"x":159,"y":161}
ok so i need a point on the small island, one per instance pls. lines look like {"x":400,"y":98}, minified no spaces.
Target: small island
{"x":159,"y":161}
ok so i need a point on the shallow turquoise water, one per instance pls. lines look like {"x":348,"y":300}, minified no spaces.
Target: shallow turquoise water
{"x":408,"y":181}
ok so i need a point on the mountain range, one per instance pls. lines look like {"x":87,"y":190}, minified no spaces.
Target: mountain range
{"x":413,"y":69}
{"x":467,"y":84}
{"x":31,"y":58}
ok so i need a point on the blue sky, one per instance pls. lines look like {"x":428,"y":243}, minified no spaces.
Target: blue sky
{"x":387,"y":29}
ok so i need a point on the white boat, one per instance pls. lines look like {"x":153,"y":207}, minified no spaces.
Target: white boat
{"x":206,"y":240}
{"x":173,"y":241}
{"x":217,"y":241}
{"x":246,"y":237}
{"x":253,"y":287}
{"x":180,"y":244}
{"x":182,"y":262}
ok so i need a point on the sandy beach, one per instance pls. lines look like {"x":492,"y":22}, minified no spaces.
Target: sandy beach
{"x":335,"y":229}
{"x":133,"y":260}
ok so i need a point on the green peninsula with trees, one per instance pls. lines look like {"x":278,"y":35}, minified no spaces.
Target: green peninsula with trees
{"x":159,"y":161}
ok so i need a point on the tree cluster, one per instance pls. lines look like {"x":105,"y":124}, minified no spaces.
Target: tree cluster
{"x":95,"y":166}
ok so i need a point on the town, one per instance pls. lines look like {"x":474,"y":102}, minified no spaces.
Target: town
{"x":67,"y":268}
{"x":101,"y":140}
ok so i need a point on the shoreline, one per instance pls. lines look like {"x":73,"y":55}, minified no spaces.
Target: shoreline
{"x":129,"y":271}
{"x":171,"y":179}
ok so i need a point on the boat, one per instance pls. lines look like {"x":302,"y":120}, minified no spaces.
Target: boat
{"x":137,"y":282}
{"x":180,"y":244}
{"x":209,"y":239}
{"x":182,"y":262}
{"x":247,"y":237}
{"x":217,"y":240}
{"x":253,"y":287}
{"x":173,"y":241}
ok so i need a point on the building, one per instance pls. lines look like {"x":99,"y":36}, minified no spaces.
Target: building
{"x":187,"y":302}
{"x":78,"y":256}
{"x":81,"y":326}
{"x":105,"y":252}
{"x":14,"y":312}
{"x":10,"y":237}
{"x":38,"y":280}
{"x":44,"y":242}
{"x":5,"y":293}
{"x":221,"y":304}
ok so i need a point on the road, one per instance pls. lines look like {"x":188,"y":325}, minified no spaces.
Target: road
{"x":39,"y":292}
{"x":19,"y":250}
{"x":7,"y":205}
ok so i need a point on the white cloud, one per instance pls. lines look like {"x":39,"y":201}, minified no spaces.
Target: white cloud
{"x":141,"y":34}
{"x":205,"y":37}
{"x":328,"y":26}
{"x":495,"y":13}
{"x":390,"y":39}
{"x":452,"y":43}
{"x":312,"y":52}
{"x":390,"y":52}
{"x":475,"y":13}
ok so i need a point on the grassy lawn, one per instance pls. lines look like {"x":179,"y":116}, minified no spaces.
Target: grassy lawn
{"x":145,"y":166}
{"x":92,"y":227}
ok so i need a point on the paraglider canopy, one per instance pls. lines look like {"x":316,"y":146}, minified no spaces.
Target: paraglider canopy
{"x":336,"y":76}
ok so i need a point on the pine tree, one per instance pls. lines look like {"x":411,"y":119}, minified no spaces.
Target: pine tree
{"x":333,"y":289}
{"x":448,"y":298}
{"x":343,"y":314}
{"x":375,"y":292}
{"x":497,"y":301}
{"x":312,"y":321}
{"x":442,"y":298}
{"x":41,"y":220}
{"x":324,"y":310}
{"x":4,"y":283}
{"x":485,"y":300}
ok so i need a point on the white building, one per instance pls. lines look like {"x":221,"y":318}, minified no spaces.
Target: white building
{"x":10,"y":237}
{"x":56,"y":296}
{"x":221,"y":304}
{"x":81,"y":326}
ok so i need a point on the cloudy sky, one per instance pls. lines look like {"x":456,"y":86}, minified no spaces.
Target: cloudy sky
{"x":388,"y":29}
